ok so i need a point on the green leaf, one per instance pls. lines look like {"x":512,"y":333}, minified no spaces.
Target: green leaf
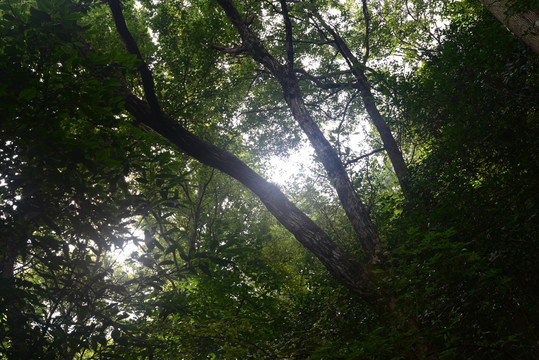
{"x":39,"y":15}
{"x":27,"y":94}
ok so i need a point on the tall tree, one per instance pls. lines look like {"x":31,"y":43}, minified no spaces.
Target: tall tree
{"x":286,"y":76}
{"x":100,"y":145}
{"x":305,"y":230}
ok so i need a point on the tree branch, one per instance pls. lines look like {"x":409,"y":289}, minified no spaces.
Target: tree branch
{"x":363,"y":156}
{"x":320,"y":84}
{"x":132,"y":47}
{"x":367,"y":30}
{"x":288,"y":32}
{"x":349,"y":272}
{"x":393,"y":151}
{"x":342,"y":265}
{"x":234,"y":50}
{"x":355,"y":210}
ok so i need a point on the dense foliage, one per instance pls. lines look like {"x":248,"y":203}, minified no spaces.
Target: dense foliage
{"x":207,"y":271}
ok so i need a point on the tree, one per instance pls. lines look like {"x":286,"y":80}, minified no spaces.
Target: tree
{"x":310,"y":235}
{"x":520,"y":17}
{"x":214,"y":275}
{"x":476,"y":156}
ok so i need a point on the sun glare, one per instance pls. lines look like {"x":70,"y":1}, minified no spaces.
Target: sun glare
{"x":284,"y":169}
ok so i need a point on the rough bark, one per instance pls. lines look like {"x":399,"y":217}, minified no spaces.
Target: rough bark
{"x":356,"y":277}
{"x":390,"y":145}
{"x":343,"y":267}
{"x":340,"y":264}
{"x":285,"y":74}
{"x":524,"y":25}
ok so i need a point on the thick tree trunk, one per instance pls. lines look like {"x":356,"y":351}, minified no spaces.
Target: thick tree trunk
{"x":345,"y":269}
{"x":524,"y":25}
{"x":353,"y":207}
{"x":350,"y":273}
{"x":358,"y":278}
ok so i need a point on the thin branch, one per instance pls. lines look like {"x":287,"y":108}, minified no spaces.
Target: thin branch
{"x":367,"y":30}
{"x":421,"y":23}
{"x":326,"y":97}
{"x":132,"y":47}
{"x":319,"y":43}
{"x":358,"y":69}
{"x":321,"y":85}
{"x":258,"y":73}
{"x":272,"y":5}
{"x":349,"y":162}
{"x":261,"y":109}
{"x":342,"y":122}
{"x":329,"y":74}
{"x":234,"y":50}
{"x":288,"y":31}
{"x":196,"y":214}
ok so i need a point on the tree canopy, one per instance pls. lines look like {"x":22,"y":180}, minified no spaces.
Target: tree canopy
{"x":140,"y":216}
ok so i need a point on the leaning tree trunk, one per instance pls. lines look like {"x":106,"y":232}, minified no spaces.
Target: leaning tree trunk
{"x":390,"y":145}
{"x":524,"y":25}
{"x":358,"y":278}
{"x":341,"y":265}
{"x":284,"y":73}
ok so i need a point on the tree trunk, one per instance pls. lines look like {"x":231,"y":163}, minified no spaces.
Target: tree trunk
{"x":358,"y":278}
{"x":524,"y":25}
{"x":349,"y":272}
{"x":343,"y":267}
{"x":390,"y":145}
{"x":352,"y":205}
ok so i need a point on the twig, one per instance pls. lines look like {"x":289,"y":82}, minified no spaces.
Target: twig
{"x":363,"y":156}
{"x":234,"y":50}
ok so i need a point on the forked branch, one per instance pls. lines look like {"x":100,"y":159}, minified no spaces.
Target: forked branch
{"x":342,"y":265}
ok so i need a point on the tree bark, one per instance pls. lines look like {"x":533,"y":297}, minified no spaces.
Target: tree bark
{"x":392,"y":149}
{"x":356,"y":277}
{"x":340,"y":264}
{"x":525,"y":26}
{"x":285,"y":74}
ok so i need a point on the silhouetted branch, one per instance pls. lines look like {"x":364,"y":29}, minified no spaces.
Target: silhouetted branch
{"x":363,"y":156}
